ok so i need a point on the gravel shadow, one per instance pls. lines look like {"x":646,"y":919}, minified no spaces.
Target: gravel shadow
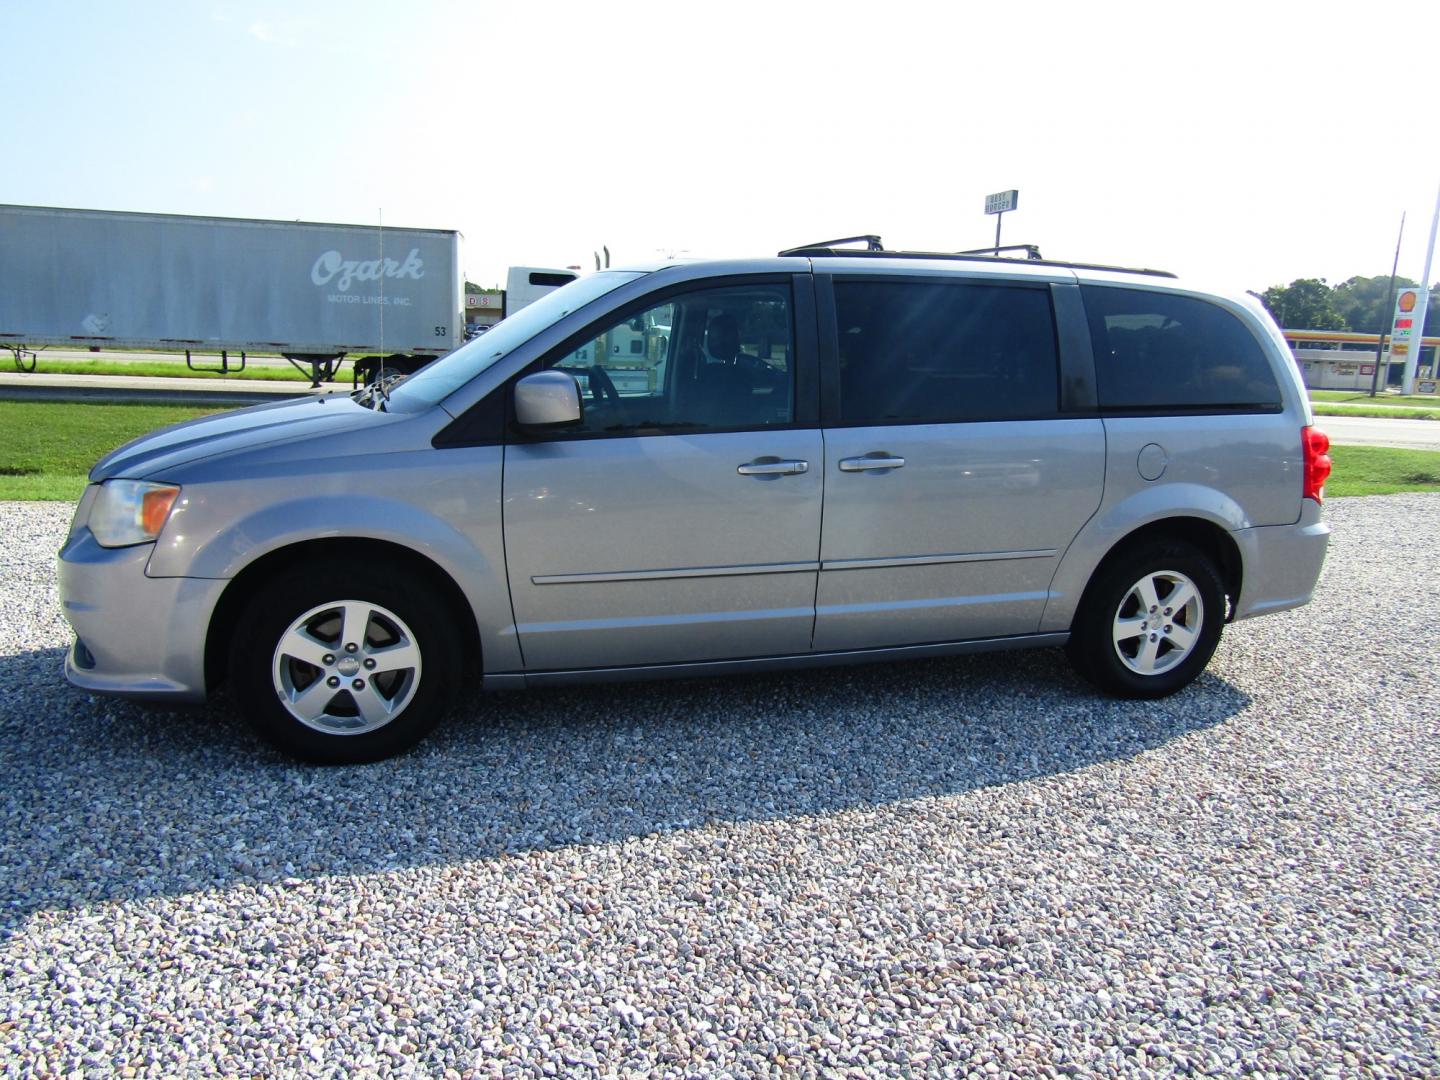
{"x":106,"y":800}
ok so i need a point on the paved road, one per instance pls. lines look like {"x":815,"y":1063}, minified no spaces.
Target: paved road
{"x":152,"y":391}
{"x":1367,"y":431}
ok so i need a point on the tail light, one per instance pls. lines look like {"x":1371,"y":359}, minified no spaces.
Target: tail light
{"x":1317,"y":462}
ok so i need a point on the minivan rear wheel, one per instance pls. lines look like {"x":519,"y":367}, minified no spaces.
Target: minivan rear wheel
{"x":339,"y":664}
{"x":1150,"y":620}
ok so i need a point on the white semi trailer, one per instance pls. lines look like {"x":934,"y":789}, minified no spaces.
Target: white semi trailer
{"x":314,"y":293}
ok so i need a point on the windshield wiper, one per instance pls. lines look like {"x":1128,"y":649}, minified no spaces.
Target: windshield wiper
{"x":377,"y":394}
{"x":366,"y":396}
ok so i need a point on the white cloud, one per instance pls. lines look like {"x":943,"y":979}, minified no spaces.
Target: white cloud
{"x":286,"y":32}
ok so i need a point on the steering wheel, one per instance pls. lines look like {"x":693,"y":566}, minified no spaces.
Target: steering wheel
{"x":601,"y":386}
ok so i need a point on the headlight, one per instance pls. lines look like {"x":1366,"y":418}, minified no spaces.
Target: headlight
{"x":130,"y":511}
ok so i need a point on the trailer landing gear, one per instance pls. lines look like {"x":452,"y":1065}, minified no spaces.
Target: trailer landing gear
{"x":223,"y":369}
{"x":321,"y":367}
{"x":20,"y":353}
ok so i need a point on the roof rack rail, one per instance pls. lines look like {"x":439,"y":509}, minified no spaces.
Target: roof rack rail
{"x":1032,"y":252}
{"x":830,"y":249}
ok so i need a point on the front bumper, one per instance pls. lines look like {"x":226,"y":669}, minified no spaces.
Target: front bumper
{"x":1282,"y":563}
{"x":138,"y":637}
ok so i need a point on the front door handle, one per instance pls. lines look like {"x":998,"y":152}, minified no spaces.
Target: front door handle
{"x":773,"y":467}
{"x":871,"y":461}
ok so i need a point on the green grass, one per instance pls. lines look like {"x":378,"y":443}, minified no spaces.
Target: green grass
{"x":1322,"y":408}
{"x":1381,"y":398}
{"x":47,"y":448}
{"x":48,"y":487}
{"x":1381,"y":470}
{"x":163,"y":369}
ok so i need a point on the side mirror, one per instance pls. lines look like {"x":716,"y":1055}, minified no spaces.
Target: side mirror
{"x":547,"y":399}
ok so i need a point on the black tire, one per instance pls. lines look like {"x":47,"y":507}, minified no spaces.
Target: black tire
{"x":407,"y":611}
{"x":1112,"y":596}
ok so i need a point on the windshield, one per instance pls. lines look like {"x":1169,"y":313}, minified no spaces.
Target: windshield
{"x":434,"y":382}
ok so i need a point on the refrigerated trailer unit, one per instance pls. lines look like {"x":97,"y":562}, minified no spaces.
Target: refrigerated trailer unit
{"x":311,"y":292}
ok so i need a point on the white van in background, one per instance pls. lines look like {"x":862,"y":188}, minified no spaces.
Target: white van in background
{"x":526,"y":284}
{"x":523,"y":286}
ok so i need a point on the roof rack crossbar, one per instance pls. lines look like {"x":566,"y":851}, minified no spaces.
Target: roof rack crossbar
{"x":872,"y":243}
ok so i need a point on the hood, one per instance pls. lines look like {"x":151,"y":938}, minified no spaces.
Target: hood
{"x":227,"y":432}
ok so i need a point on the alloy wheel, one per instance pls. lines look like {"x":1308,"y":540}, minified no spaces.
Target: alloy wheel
{"x":1158,"y":622}
{"x":346,"y":668}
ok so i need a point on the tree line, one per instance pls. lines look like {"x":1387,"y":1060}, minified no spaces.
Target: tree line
{"x":1356,"y":304}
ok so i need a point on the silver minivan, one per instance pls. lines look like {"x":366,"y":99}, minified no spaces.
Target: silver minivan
{"x":825,"y":457}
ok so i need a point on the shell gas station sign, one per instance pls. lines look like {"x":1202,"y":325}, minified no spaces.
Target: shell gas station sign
{"x":1402,"y":332}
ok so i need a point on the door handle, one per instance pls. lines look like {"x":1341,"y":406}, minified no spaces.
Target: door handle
{"x":773,"y":467}
{"x":871,"y":461}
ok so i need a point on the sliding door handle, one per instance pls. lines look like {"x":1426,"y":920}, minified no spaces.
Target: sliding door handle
{"x":871,"y":461}
{"x":773,"y":467}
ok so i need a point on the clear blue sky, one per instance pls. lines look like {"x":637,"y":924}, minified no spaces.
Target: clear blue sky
{"x":1244,"y":143}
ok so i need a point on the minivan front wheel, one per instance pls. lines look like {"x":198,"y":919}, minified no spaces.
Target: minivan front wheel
{"x":339,"y":665}
{"x":1150,"y":621}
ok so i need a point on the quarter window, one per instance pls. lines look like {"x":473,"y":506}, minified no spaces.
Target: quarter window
{"x":919,"y":352}
{"x":1155,"y":350}
{"x":712,"y":360}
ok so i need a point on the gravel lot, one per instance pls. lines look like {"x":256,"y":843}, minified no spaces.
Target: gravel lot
{"x":944,"y":867}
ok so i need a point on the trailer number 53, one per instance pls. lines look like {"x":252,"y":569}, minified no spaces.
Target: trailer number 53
{"x":442,"y":331}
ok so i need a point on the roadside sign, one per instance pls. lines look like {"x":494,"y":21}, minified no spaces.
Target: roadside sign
{"x":1002,"y":201}
{"x":1404,"y":325}
{"x":1406,"y":329}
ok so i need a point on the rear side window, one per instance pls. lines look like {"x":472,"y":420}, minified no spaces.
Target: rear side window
{"x":1159,"y":351}
{"x":934,"y":353}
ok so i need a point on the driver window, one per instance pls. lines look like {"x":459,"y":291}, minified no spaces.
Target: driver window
{"x":717,"y":360}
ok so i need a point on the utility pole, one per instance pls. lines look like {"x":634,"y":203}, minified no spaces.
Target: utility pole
{"x":1413,"y":356}
{"x":1388,"y":309}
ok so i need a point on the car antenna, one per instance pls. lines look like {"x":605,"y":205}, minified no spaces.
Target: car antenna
{"x":381,"y":391}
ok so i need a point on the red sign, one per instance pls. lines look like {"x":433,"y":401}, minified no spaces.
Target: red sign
{"x":1403,"y":324}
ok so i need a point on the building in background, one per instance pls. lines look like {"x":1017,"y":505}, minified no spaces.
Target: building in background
{"x":1341,"y":360}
